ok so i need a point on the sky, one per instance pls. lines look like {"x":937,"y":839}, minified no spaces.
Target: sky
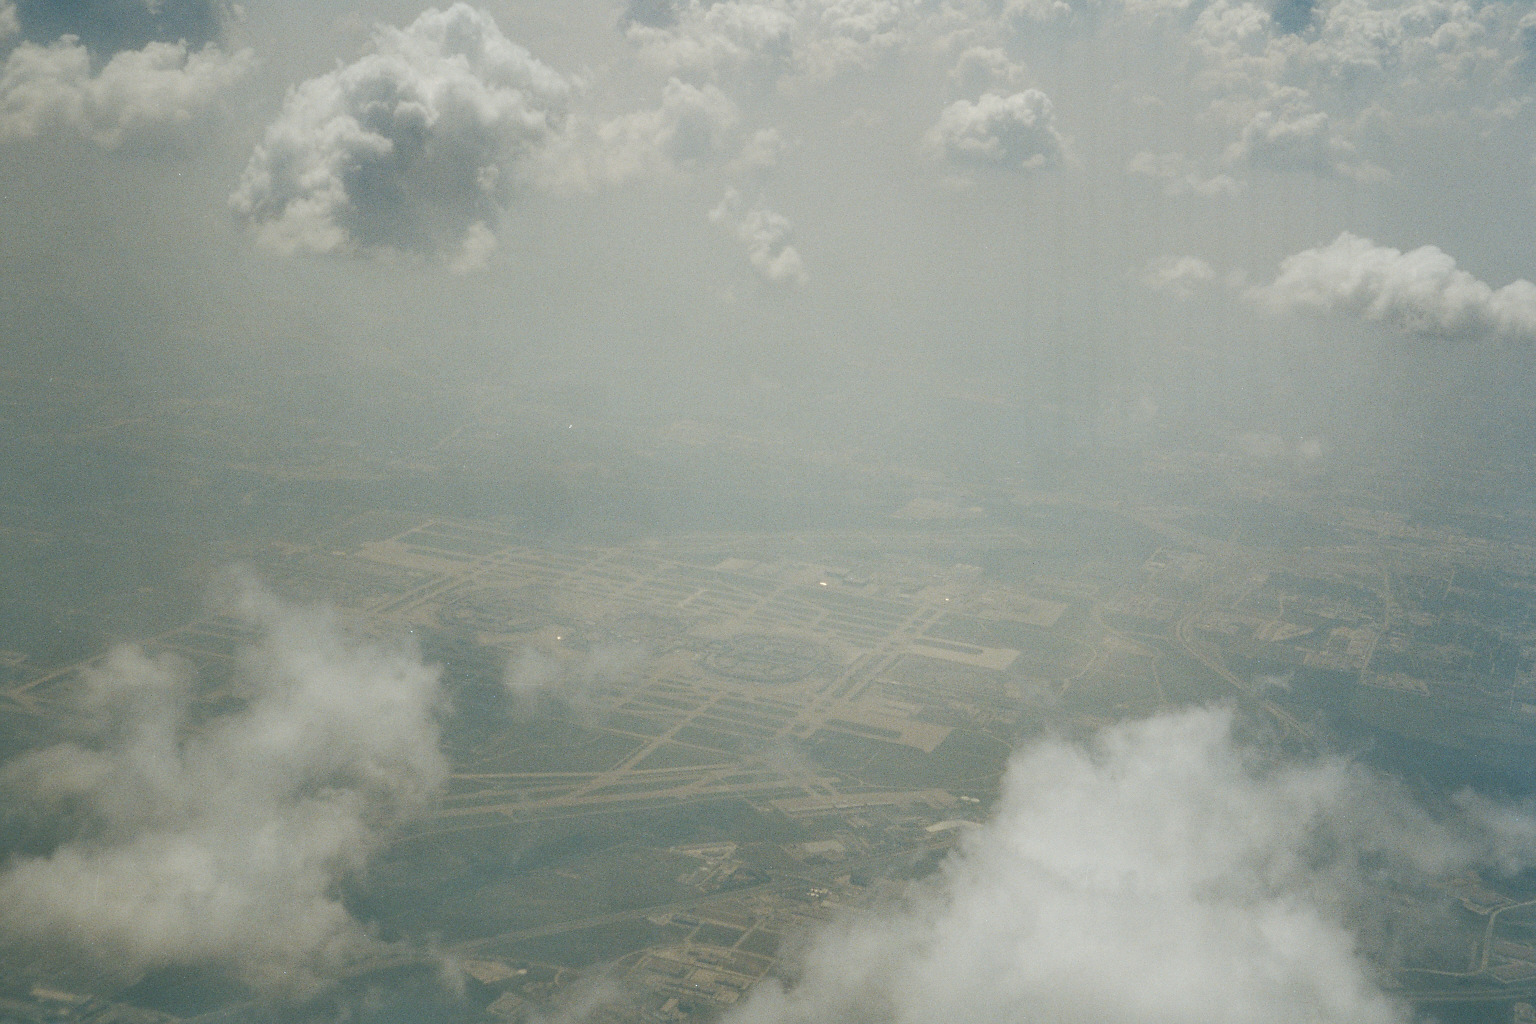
{"x":1295,"y":232}
{"x":1145,"y":220}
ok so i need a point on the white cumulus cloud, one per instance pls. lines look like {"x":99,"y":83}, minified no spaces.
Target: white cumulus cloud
{"x":979,"y":68}
{"x":1034,"y":12}
{"x":222,"y":840}
{"x":1309,"y":87}
{"x":1181,"y":176}
{"x":766,"y":236}
{"x":413,"y":147}
{"x":1421,"y":292}
{"x":1162,"y":874}
{"x":730,"y":38}
{"x":852,"y":33}
{"x":1018,"y":130}
{"x":1180,"y":276}
{"x":150,"y":92}
{"x":693,"y":127}
{"x":1295,"y":138}
{"x":758,"y":42}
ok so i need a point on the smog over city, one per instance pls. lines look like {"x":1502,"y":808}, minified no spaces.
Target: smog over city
{"x":767,"y":511}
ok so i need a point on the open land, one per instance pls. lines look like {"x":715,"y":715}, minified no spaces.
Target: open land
{"x":757,"y":729}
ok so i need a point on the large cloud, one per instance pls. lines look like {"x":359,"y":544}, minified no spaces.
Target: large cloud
{"x":223,"y":841}
{"x":1420,"y":292}
{"x":1164,"y":874}
{"x":1305,"y":85}
{"x":1018,"y":131}
{"x":414,"y":147}
{"x":112,"y":70}
{"x":152,"y":92}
